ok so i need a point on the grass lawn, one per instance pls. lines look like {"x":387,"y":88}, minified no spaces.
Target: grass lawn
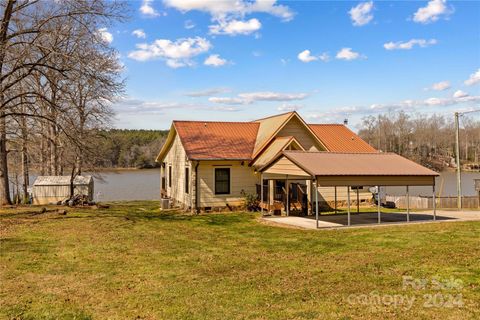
{"x":132,"y":261}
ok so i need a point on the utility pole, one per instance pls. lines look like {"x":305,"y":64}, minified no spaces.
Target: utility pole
{"x":457,"y":155}
{"x":457,"y":158}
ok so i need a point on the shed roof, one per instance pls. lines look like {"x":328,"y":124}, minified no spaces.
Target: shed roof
{"x":61,"y":180}
{"x":354,"y":164}
{"x":339,"y":138}
{"x":204,"y":140}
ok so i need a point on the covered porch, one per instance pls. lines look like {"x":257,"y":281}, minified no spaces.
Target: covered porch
{"x":343,"y":170}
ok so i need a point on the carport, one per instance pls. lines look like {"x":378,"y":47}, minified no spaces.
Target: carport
{"x":329,"y":169}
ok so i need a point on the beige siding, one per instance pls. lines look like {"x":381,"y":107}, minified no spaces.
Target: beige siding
{"x":284,"y":166}
{"x":267,"y":127}
{"x":242,"y":177}
{"x":376,"y":180}
{"x":177,"y":159}
{"x":295,"y":128}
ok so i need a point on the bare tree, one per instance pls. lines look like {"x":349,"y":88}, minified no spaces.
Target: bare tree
{"x":39,"y":43}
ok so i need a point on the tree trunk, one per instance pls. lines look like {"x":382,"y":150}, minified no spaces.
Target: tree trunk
{"x":4,"y":183}
{"x":25,"y":172}
{"x":53,"y":151}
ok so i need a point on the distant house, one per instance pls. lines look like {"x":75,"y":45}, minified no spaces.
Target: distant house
{"x":207,"y":165}
{"x":52,"y":189}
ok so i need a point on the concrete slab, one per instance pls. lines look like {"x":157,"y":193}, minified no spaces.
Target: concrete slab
{"x":370,"y":219}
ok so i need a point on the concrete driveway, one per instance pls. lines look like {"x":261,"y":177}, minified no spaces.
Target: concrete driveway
{"x":370,"y":219}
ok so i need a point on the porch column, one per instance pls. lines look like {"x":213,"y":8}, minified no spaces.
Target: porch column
{"x":434,"y":203}
{"x":261,"y":193}
{"x":378,"y":205}
{"x":358,"y":202}
{"x":348,"y":205}
{"x":408,"y":205}
{"x":271,"y":195}
{"x":316,"y":200}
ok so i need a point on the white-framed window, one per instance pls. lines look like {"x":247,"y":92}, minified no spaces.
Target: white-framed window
{"x":222,"y":179}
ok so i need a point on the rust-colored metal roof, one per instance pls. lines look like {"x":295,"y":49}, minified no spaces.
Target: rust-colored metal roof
{"x":356,"y":164}
{"x":276,"y":146}
{"x":338,"y":138}
{"x":205,"y":140}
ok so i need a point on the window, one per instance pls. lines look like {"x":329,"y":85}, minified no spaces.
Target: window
{"x":170,"y":176}
{"x":187,"y":180}
{"x":222,"y":180}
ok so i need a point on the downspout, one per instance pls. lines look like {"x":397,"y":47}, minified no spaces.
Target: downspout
{"x":197,"y":210}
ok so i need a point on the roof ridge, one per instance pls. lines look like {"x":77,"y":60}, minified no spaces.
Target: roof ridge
{"x":274,"y":116}
{"x":340,"y":152}
{"x":326,"y":124}
{"x":200,"y":121}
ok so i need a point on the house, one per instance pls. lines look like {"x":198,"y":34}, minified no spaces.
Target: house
{"x":53,"y":189}
{"x":207,"y":165}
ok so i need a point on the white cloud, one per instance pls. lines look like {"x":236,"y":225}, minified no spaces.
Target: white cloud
{"x":106,"y":36}
{"x":225,"y":8}
{"x":214,"y":60}
{"x":207,"y":92}
{"x":176,"y":53}
{"x":189,"y":24}
{"x":460,"y":94}
{"x":147,"y":9}
{"x":229,"y":15}
{"x":440,"y":86}
{"x":473,"y":79}
{"x":272,"y":96}
{"x":251,"y":97}
{"x":348,"y":54}
{"x":432,"y":12}
{"x":139,"y":33}
{"x":227,"y":100}
{"x":306,"y":56}
{"x":133,"y":106}
{"x":175,"y":63}
{"x":235,"y":27}
{"x":289,"y":107}
{"x":409,"y":44}
{"x":362,"y":13}
{"x":324,"y":57}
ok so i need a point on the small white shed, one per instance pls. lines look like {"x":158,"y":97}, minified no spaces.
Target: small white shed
{"x":52,"y":189}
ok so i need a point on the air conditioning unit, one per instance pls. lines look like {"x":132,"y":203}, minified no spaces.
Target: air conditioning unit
{"x":164,"y":204}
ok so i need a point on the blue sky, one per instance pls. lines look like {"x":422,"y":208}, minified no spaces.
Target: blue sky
{"x":237,"y":60}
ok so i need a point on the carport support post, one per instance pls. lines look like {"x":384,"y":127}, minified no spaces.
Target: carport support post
{"x":316,"y":201}
{"x":335,"y":199}
{"x":287,"y":186}
{"x":348,"y":205}
{"x":434,"y":204}
{"x":408,"y":205}
{"x":378,"y":205}
{"x":358,"y":202}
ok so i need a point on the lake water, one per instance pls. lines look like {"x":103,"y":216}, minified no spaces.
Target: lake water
{"x":128,"y":185}
{"x":145,"y":185}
